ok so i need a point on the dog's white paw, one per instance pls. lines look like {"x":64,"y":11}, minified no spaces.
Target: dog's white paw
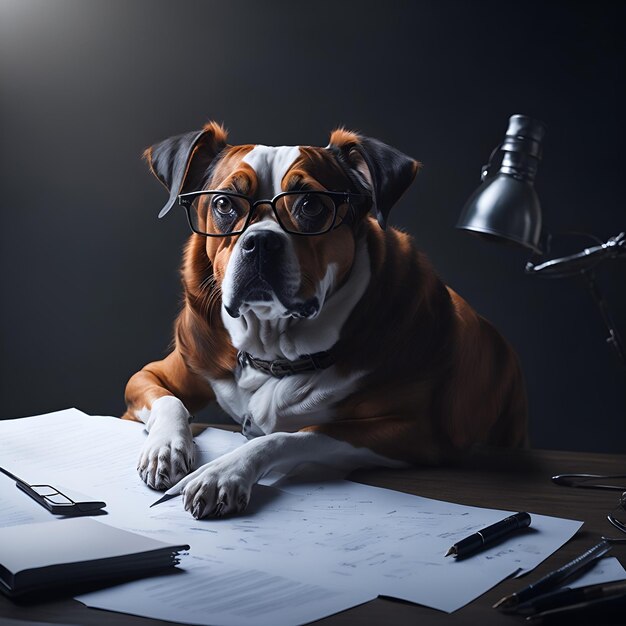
{"x":219,"y":488}
{"x":168,"y":453}
{"x":165,"y":459}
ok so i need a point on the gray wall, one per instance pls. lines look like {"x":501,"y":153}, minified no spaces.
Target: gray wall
{"x":89,"y":277}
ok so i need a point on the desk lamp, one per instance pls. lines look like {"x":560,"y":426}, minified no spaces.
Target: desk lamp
{"x":505,"y":208}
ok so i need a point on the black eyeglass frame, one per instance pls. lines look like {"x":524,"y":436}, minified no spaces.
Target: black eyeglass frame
{"x":620,"y":507}
{"x":186,"y":201}
{"x":67,"y":507}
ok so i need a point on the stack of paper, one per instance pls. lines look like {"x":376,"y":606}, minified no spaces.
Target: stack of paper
{"x":68,"y":552}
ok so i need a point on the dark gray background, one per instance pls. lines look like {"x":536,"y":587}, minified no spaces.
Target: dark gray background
{"x":89,"y":275}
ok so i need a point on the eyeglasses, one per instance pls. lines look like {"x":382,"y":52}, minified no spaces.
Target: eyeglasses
{"x":54,"y":500}
{"x":617,"y":517}
{"x":216,"y":213}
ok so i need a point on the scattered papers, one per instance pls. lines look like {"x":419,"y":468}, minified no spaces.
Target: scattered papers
{"x":350,"y":541}
{"x":396,"y":542}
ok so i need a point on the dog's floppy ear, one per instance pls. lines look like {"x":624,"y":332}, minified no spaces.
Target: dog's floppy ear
{"x":181,"y":163}
{"x":382,"y":170}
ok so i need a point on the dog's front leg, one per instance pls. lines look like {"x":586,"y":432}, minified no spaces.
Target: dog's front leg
{"x":167,"y":454}
{"x":161,"y":396}
{"x":224,"y":485}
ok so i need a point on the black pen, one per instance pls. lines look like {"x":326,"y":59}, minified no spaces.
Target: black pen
{"x":489,"y":535}
{"x":569,"y":596}
{"x":553,"y":579}
{"x":609,"y":609}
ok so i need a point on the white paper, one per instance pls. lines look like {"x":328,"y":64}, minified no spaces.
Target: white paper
{"x":17,"y":508}
{"x":212,"y":443}
{"x":399,"y":540}
{"x":605,"y":570}
{"x":212,"y":593}
{"x":358,"y":540}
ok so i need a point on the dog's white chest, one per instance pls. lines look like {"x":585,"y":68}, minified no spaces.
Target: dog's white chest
{"x":264,"y":404}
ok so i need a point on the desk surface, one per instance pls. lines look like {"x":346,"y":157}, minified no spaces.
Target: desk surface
{"x":502,"y":479}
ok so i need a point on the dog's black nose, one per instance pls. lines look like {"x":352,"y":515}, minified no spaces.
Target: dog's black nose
{"x":262,"y":241}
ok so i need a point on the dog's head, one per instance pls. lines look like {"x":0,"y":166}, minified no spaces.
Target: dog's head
{"x":284,"y":256}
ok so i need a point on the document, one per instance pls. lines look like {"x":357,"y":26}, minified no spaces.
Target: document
{"x":399,"y":541}
{"x":69,"y":442}
{"x":211,"y":592}
{"x":348,"y":539}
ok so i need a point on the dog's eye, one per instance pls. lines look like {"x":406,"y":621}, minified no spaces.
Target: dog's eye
{"x":223,"y":205}
{"x":311,"y":206}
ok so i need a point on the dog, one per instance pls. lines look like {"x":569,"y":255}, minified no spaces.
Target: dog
{"x":326,"y":334}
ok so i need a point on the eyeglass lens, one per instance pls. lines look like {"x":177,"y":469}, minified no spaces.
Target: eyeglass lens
{"x":51,"y":494}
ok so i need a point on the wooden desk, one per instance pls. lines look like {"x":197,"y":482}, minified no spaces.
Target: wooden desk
{"x":518,"y":480}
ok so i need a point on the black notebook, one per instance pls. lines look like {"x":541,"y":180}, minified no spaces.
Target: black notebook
{"x":62,"y":553}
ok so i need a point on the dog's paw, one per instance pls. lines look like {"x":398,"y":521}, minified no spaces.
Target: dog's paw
{"x":164,"y":460}
{"x":219,"y":488}
{"x":167,"y":455}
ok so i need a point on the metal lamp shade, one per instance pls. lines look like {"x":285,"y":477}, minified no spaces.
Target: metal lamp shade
{"x":504,"y":209}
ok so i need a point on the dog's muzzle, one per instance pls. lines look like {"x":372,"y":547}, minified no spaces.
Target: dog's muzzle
{"x":264,"y":277}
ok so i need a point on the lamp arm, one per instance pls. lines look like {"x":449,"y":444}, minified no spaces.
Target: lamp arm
{"x":614,"y":339}
{"x":582,"y":264}
{"x":581,"y":261}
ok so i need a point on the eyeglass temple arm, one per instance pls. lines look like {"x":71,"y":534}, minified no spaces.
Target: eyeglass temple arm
{"x":582,"y":480}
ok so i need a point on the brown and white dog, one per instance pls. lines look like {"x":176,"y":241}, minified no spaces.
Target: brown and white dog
{"x":404,"y":371}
